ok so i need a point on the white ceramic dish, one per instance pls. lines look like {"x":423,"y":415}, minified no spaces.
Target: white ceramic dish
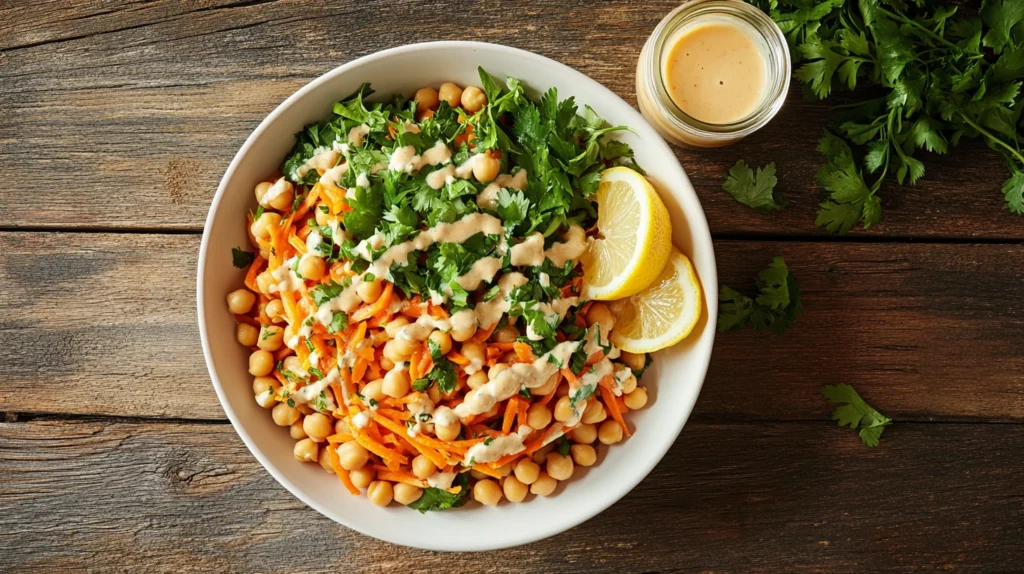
{"x":673,"y":382}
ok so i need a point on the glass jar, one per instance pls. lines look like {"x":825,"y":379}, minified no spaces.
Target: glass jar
{"x":652,"y":95}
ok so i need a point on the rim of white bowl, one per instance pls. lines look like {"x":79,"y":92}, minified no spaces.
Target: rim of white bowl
{"x":551,"y":528}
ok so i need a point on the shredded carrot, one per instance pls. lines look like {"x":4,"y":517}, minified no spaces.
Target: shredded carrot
{"x":417,"y":442}
{"x":308,"y":202}
{"x":414,"y":363}
{"x":547,"y":398}
{"x":358,"y":335}
{"x":247,"y":320}
{"x":511,"y":410}
{"x":570,"y":376}
{"x":394,"y":414}
{"x":487,"y":470}
{"x":389,"y":455}
{"x":523,"y":406}
{"x":298,"y":244}
{"x":254,"y":270}
{"x":457,"y":359}
{"x":502,"y":346}
{"x":401,"y":476}
{"x":482,"y":334}
{"x":426,"y":362}
{"x":340,"y":438}
{"x":335,"y":464}
{"x":281,"y":353}
{"x":524,"y":351}
{"x":378,"y":306}
{"x":613,"y":408}
{"x":359,"y":369}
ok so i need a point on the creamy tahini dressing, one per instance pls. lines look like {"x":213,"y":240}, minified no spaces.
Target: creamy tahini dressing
{"x":313,"y":390}
{"x":496,"y":447}
{"x":405,"y":159}
{"x":487,"y":199}
{"x":422,"y":410}
{"x":333,"y":175}
{"x":280,"y":186}
{"x":482,"y":271}
{"x":439,"y":177}
{"x":509,"y":381}
{"x":362,"y":180}
{"x":531,"y":251}
{"x":442,"y":480}
{"x":588,"y":385}
{"x":322,"y":161}
{"x":466,"y":168}
{"x":622,"y":372}
{"x":357,"y":134}
{"x":553,"y":311}
{"x":361,"y":419}
{"x":285,"y":279}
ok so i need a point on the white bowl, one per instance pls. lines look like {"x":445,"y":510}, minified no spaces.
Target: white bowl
{"x":673,"y":381}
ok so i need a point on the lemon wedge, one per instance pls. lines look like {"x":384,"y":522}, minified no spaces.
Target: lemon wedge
{"x":664,"y":313}
{"x":635,"y":237}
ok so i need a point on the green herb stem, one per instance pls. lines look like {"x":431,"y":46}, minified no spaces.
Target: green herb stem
{"x":992,"y":137}
{"x":927,"y":32}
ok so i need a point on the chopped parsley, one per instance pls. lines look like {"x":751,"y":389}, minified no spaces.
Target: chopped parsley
{"x":434,"y":499}
{"x":240,"y":258}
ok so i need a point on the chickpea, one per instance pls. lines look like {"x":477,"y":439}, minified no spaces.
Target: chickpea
{"x":240,"y":301}
{"x":271,"y":338}
{"x":485,"y":168}
{"x":284,"y":415}
{"x":477,"y":380}
{"x":404,"y":347}
{"x":601,"y":315}
{"x":584,"y":434}
{"x":325,"y":463}
{"x":341,"y":427}
{"x":562,"y":391}
{"x":264,"y":281}
{"x":374,"y":390}
{"x":296,"y":431}
{"x":629,"y":385}
{"x":312,"y":267}
{"x":477,"y":475}
{"x":474,"y":352}
{"x":563,"y":409}
{"x":369,"y":291}
{"x":442,"y":340}
{"x":261,"y":227}
{"x":262,"y":384}
{"x":275,"y":310}
{"x":487,"y":492}
{"x":494,"y":371}
{"x":281,"y":201}
{"x":422,"y":467}
{"x":559,"y":467}
{"x":506,"y":334}
{"x":261,"y":189}
{"x":306,"y":450}
{"x":505,"y":469}
{"x":515,"y":491}
{"x":380,"y":492}
{"x":247,"y":335}
{"x":527,"y":471}
{"x":394,"y":326}
{"x":261,"y":363}
{"x":544,"y":485}
{"x":426,"y":99}
{"x":447,"y":432}
{"x":460,"y":334}
{"x":450,"y":93}
{"x":321,"y":216}
{"x":473,"y":99}
{"x":595,"y":413}
{"x":434,"y":393}
{"x":393,"y":353}
{"x":386,"y":363}
{"x":548,"y":386}
{"x":634,"y":361}
{"x":396,"y":383}
{"x":406,"y":494}
{"x":583,"y":454}
{"x":318,"y":426}
{"x":352,"y":455}
{"x":609,"y":432}
{"x":538,"y":416}
{"x":541,"y":455}
{"x":637,"y":399}
{"x":362,"y":477}
{"x":291,"y":363}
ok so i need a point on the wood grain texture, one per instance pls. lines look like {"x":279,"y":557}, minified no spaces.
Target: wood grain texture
{"x":140,"y":107}
{"x":162,"y":497}
{"x":105,"y":324}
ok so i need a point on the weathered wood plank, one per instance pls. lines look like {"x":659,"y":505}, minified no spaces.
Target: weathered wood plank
{"x":109,"y":496}
{"x":99,"y":97}
{"x":105,"y":324}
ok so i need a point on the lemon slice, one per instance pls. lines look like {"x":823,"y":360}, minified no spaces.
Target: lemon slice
{"x":664,"y":313}
{"x":635,"y":237}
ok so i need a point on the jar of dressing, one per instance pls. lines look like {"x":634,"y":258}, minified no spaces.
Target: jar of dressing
{"x":712,"y":72}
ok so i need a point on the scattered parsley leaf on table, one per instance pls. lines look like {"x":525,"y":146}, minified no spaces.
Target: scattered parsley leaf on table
{"x":855,"y":413}
{"x":754,"y":190}
{"x":776,"y":305}
{"x":945,"y":75}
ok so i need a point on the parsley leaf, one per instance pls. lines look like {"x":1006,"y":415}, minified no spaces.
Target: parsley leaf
{"x":856,"y":413}
{"x":443,"y":373}
{"x":777,"y":304}
{"x":564,"y":445}
{"x":326,"y":291}
{"x":434,"y":499}
{"x":240,"y":258}
{"x":756,"y":191}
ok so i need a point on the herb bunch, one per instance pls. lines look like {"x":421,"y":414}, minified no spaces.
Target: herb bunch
{"x":947,"y":76}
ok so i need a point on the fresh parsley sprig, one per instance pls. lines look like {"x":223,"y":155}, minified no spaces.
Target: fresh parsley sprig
{"x":776,"y":305}
{"x":855,"y":413}
{"x":947,"y":76}
{"x":754,"y":190}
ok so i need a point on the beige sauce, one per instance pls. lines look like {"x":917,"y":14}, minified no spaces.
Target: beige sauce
{"x":531,"y":251}
{"x":714,"y":72}
{"x":324,"y":160}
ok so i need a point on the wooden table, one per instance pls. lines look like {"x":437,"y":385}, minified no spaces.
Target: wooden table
{"x":116,"y":122}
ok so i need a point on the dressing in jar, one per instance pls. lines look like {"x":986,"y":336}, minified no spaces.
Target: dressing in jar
{"x":713,"y":72}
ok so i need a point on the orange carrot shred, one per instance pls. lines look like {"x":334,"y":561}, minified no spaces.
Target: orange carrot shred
{"x":511,"y":410}
{"x":613,"y":408}
{"x":378,"y":306}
